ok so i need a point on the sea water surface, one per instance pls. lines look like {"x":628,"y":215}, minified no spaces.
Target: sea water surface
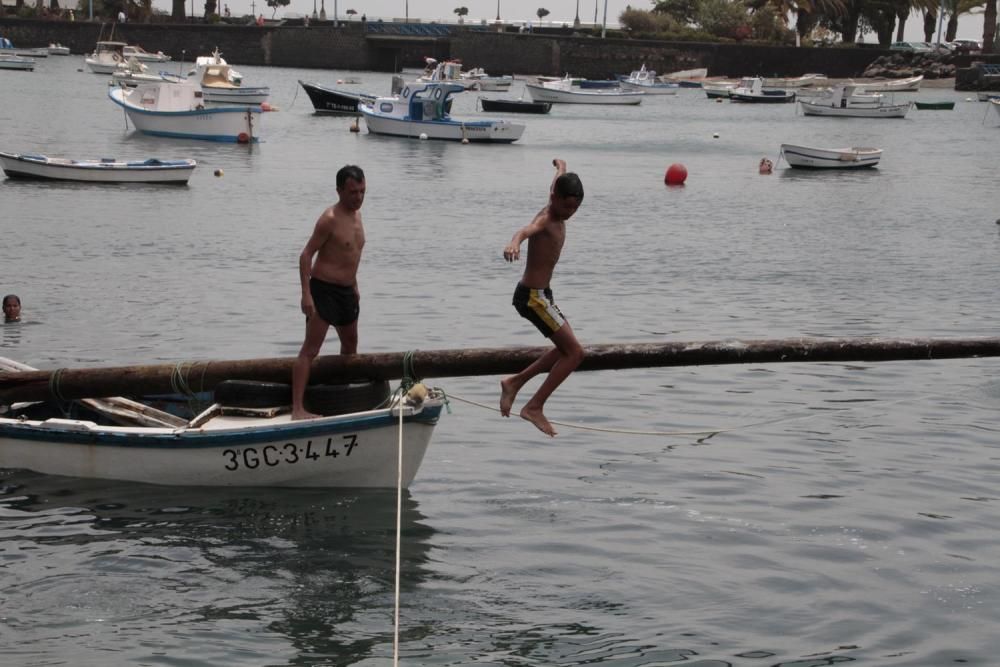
{"x":843,"y":513}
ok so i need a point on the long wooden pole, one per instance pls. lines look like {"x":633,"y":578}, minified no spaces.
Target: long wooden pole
{"x":204,"y":375}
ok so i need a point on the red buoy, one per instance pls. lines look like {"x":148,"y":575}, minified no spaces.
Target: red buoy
{"x":243,"y":138}
{"x":676,"y":174}
{"x":264,"y":106}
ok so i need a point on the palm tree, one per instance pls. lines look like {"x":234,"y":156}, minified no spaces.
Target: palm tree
{"x":542,"y":13}
{"x":989,"y":26}
{"x":462,"y":12}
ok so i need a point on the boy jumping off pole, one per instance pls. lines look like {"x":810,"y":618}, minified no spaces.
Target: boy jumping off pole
{"x":533,"y":298}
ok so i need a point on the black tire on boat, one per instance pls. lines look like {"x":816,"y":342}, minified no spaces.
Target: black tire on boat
{"x":322,"y":399}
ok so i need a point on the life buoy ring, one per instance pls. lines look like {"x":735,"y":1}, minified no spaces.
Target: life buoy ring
{"x":117,"y":58}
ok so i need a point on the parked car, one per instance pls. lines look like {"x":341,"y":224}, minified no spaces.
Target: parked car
{"x":922,"y":47}
{"x":966,"y":46}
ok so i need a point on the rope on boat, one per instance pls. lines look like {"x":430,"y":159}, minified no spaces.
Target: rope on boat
{"x":64,"y":404}
{"x":399,"y":531}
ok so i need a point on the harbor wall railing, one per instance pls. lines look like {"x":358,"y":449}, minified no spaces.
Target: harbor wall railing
{"x":355,"y":45}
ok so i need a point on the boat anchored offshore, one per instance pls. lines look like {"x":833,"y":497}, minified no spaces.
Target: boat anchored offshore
{"x":846,"y":102}
{"x":420,"y":111}
{"x":106,"y":170}
{"x":806,"y":157}
{"x":178,"y":110}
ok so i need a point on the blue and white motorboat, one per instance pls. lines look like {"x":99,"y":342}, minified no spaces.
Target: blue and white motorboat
{"x":178,"y":110}
{"x":420,"y":111}
{"x":227,"y":444}
{"x":645,"y":80}
{"x":107,"y":57}
{"x":105,"y":170}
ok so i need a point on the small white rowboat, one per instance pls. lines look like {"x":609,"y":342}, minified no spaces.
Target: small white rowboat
{"x":106,"y":170}
{"x":806,"y":157}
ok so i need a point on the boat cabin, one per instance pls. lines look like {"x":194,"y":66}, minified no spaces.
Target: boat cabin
{"x":422,"y":101}
{"x":218,"y":76}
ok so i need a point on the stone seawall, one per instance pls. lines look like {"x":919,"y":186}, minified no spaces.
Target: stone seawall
{"x":348,"y":47}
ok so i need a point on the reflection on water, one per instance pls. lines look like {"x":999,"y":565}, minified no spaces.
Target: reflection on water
{"x":306,"y":568}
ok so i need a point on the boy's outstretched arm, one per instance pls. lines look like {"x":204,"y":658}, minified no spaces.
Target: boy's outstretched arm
{"x":560,"y":166}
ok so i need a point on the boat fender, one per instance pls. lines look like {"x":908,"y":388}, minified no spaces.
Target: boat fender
{"x":117,"y":58}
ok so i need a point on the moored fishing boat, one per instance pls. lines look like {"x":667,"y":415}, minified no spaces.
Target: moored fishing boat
{"x":57,"y":49}
{"x":846,"y":102}
{"x":331,"y":101}
{"x":751,"y":89}
{"x":217,"y":87}
{"x":645,"y":80}
{"x":941,"y":105}
{"x":178,"y":110}
{"x":514,"y":106}
{"x":11,"y":61}
{"x":420,"y":111}
{"x":808,"y":157}
{"x":227,"y":444}
{"x":909,"y":84}
{"x":107,"y":57}
{"x":106,"y":170}
{"x":564,"y":92}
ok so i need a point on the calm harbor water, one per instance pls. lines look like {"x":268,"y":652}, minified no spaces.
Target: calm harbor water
{"x":858,"y":525}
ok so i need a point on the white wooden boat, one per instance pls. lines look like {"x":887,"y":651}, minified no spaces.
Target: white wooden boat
{"x":564,"y":92}
{"x":201,"y":62}
{"x":986,"y":96}
{"x":689,"y":75}
{"x":483,"y":81}
{"x":178,"y":110}
{"x":752,"y":89}
{"x":804,"y":81}
{"x":218,"y":88}
{"x":120,"y":439}
{"x":106,"y":58}
{"x":57,"y":49}
{"x":420,"y":111}
{"x":131,"y":78}
{"x":11,"y":61}
{"x":105,"y":170}
{"x":846,"y":102}
{"x":645,"y":80}
{"x":718,"y":89}
{"x":808,"y":157}
{"x":894,"y":85}
{"x":141,"y":54}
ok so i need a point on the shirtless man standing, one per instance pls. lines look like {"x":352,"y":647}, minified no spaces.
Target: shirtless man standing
{"x":330,"y":295}
{"x":533,"y":298}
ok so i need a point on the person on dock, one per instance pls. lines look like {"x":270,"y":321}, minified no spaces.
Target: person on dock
{"x":330,"y":295}
{"x":12,"y":308}
{"x":533,"y":298}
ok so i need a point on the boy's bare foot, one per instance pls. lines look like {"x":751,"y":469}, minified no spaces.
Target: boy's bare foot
{"x":302,"y":414}
{"x":536,"y":417}
{"x":508,"y":391}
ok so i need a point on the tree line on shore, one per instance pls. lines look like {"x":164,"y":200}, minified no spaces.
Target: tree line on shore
{"x":818,"y":22}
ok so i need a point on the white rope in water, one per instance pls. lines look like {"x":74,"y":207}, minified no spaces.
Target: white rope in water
{"x":399,"y":524}
{"x":778,"y":420}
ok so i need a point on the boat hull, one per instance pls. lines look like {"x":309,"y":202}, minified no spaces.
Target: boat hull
{"x":240,"y":95}
{"x":491,"y":131}
{"x":651,"y":88}
{"x":595,"y":96}
{"x":911,"y":84}
{"x":866,"y":111}
{"x":805,"y":157}
{"x":17,"y":63}
{"x":336,"y":102}
{"x":782,"y":98}
{"x":41,"y":167}
{"x":224,"y":124}
{"x":349,"y":451}
{"x":514,"y":106}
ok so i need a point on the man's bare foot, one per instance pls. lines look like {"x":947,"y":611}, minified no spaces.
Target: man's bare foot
{"x":536,"y":417}
{"x":508,"y":391}
{"x":302,"y":414}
